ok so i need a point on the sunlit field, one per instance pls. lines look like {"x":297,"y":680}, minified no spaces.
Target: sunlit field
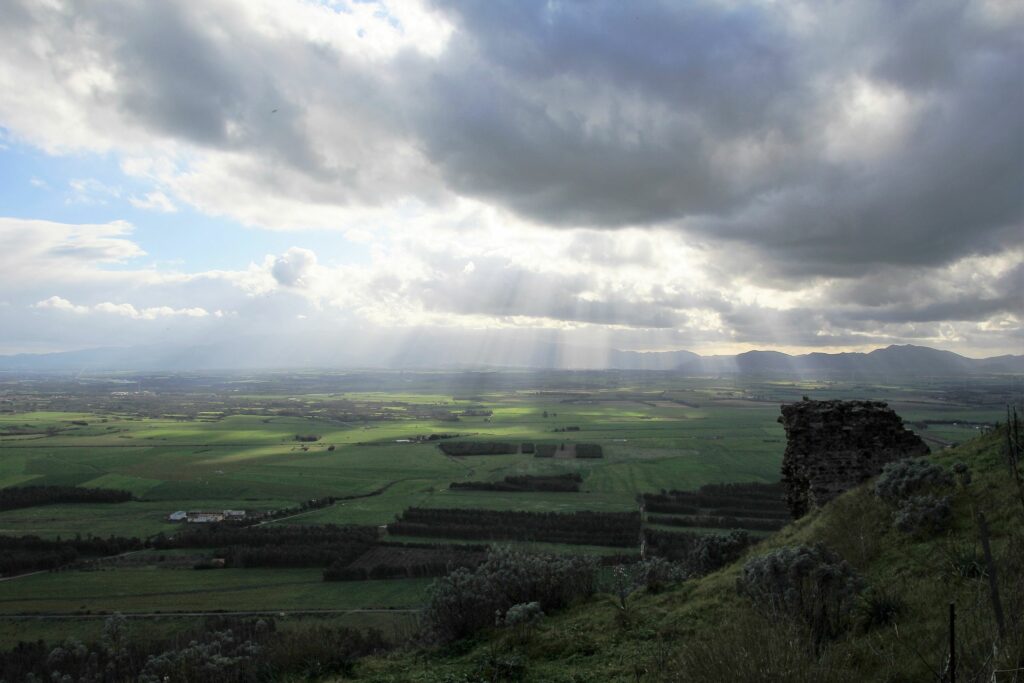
{"x":179,"y":453}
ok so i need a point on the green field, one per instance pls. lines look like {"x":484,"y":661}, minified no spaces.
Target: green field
{"x":237,"y":449}
{"x":249,"y":462}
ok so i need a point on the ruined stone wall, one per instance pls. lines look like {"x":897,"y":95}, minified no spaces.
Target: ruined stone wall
{"x":831,"y":446}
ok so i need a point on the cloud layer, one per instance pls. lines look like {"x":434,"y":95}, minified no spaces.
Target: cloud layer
{"x":708,"y":174}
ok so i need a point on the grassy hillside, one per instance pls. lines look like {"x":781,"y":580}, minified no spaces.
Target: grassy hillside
{"x":704,"y":630}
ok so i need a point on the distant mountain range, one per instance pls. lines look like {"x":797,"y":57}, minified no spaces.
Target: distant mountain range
{"x":251,"y":355}
{"x":892,"y":360}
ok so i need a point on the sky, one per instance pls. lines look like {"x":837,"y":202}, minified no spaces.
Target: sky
{"x":712,"y":175}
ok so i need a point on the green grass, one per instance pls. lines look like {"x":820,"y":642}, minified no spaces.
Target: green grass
{"x":253,"y":462}
{"x":395,"y":625}
{"x":703,"y":630}
{"x":249,"y":462}
{"x":180,"y":590}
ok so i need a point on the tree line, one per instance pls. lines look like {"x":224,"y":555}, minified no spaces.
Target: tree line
{"x":22,"y":554}
{"x":619,"y":529}
{"x":741,"y":500}
{"x":291,"y":556}
{"x":283,"y":546}
{"x":409,"y":561}
{"x":569,"y":482}
{"x":589,"y":450}
{"x":30,"y":496}
{"x":478,"y":448}
{"x":716,"y":522}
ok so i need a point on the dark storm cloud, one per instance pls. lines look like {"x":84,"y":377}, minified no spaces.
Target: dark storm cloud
{"x":735,"y":125}
{"x":204,"y":77}
{"x":955,"y":189}
{"x":887,"y":306}
{"x":710,"y":117}
{"x":602,"y":113}
{"x":926,"y":296}
{"x":608,"y":113}
{"x":176,"y":77}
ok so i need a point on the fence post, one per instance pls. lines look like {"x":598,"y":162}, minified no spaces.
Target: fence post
{"x":993,"y":582}
{"x":952,"y":643}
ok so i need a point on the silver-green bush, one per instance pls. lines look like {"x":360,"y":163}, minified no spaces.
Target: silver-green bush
{"x":808,"y":584}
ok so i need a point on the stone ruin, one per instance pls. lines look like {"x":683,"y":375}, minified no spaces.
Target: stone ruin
{"x":831,"y":446}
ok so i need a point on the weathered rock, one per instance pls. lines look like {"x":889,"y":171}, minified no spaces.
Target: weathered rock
{"x":831,"y":446}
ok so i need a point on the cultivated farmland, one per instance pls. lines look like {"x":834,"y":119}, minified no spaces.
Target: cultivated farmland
{"x":421,"y":463}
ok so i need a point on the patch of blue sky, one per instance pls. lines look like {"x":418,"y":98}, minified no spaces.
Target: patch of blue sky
{"x":91,"y":188}
{"x":344,"y":7}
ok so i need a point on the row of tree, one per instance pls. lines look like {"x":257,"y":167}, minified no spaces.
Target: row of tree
{"x":304,"y":506}
{"x":30,"y":496}
{"x":715,"y":522}
{"x":290,"y":556}
{"x":618,"y":529}
{"x":407,"y":560}
{"x":569,"y":482}
{"x":763,"y":501}
{"x":478,"y":448}
{"x":589,"y":450}
{"x":22,"y":554}
{"x":747,"y":494}
{"x":546,"y":450}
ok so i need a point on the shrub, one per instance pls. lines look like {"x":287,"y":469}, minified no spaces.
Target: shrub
{"x":521,"y":619}
{"x":220,"y":650}
{"x":808,"y":584}
{"x":221,"y":657}
{"x":962,"y":561}
{"x":878,"y":607}
{"x":923,"y":515}
{"x":714,"y":551}
{"x":903,"y":478}
{"x":466,"y":600}
{"x":698,"y":554}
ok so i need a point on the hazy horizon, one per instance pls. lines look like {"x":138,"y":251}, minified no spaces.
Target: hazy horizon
{"x":501,"y":177}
